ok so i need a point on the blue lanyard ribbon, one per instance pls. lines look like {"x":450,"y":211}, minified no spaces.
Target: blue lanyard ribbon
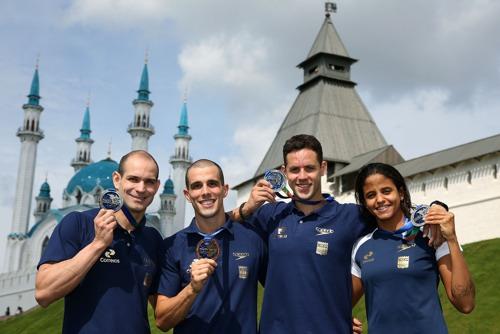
{"x":326,"y":197}
{"x":207,"y":237}
{"x":405,"y":231}
{"x":131,"y":218}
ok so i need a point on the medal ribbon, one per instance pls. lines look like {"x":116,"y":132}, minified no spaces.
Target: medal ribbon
{"x":207,"y":237}
{"x":407,"y":231}
{"x":131,"y":218}
{"x":326,"y":197}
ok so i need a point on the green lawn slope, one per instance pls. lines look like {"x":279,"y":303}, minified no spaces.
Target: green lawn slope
{"x":482,"y":257}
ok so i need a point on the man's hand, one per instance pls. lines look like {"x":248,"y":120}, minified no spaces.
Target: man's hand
{"x":104,"y":225}
{"x":201,"y":270}
{"x":357,"y":326}
{"x":261,"y":193}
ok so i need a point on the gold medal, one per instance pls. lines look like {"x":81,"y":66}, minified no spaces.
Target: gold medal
{"x":208,"y":249}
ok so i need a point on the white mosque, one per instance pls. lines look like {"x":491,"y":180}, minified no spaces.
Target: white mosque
{"x":466,"y":177}
{"x":25,"y":245}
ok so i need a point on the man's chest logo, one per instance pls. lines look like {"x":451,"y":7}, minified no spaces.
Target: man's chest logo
{"x":109,"y":256}
{"x":323,"y":231}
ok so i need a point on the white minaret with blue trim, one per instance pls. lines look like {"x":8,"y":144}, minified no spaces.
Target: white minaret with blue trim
{"x":140,"y":129}
{"x":167,"y":208}
{"x":29,"y":134}
{"x":83,"y":144}
{"x":43,"y":201}
{"x":180,"y":161}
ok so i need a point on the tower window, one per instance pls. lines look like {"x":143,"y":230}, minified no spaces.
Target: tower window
{"x":45,"y":243}
{"x":337,"y":68}
{"x":313,"y":70}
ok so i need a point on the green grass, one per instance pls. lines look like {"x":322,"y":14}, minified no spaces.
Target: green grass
{"x":481,"y":257}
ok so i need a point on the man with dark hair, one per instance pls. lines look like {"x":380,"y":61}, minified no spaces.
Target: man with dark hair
{"x":300,"y":142}
{"x":310,"y":239}
{"x":209,"y":276}
{"x":104,"y":263}
{"x":204,"y":163}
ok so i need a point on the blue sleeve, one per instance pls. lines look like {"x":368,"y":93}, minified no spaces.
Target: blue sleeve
{"x":170,"y":277}
{"x":66,"y":240}
{"x":264,"y":218}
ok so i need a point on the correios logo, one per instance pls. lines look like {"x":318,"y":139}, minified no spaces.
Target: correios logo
{"x":109,"y":253}
{"x":109,"y":256}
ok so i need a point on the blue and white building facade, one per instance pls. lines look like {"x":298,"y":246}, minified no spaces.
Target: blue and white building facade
{"x":26,"y":242}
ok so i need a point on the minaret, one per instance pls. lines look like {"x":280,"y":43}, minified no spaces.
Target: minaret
{"x":83,"y":144}
{"x":140,"y":129}
{"x":180,"y":162}
{"x":29,"y":134}
{"x":43,"y":201}
{"x":167,"y":208}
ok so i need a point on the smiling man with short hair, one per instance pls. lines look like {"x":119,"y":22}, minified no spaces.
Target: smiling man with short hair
{"x":210,"y":272}
{"x":104,"y":263}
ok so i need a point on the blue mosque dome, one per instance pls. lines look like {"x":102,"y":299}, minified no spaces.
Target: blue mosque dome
{"x":96,"y":174}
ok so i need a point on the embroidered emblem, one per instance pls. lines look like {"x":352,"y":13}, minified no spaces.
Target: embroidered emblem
{"x":321,"y":248}
{"x":403,"y":262}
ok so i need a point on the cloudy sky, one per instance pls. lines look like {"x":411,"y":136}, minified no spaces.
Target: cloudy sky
{"x":434,"y":65}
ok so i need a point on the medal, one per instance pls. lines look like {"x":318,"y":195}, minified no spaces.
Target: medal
{"x":276,"y":178}
{"x":418,"y":215}
{"x":111,"y":200}
{"x":207,"y":249}
{"x":278,"y":183}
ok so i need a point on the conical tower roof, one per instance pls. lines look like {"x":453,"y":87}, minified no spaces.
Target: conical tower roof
{"x":328,"y":106}
{"x":85,"y":130}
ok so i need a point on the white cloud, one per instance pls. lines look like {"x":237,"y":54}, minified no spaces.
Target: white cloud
{"x":424,"y":122}
{"x":252,"y":140}
{"x":117,"y":13}
{"x":225,"y":61}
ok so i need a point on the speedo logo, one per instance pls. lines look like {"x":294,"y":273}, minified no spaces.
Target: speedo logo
{"x":240,"y":255}
{"x":323,"y":231}
{"x":108,"y":257}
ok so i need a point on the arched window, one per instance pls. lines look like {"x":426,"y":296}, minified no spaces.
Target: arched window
{"x":495,"y":171}
{"x":32,"y":125}
{"x":469,"y":177}
{"x":78,"y":196}
{"x":445,"y":183}
{"x":45,"y":243}
{"x":97,"y":195}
